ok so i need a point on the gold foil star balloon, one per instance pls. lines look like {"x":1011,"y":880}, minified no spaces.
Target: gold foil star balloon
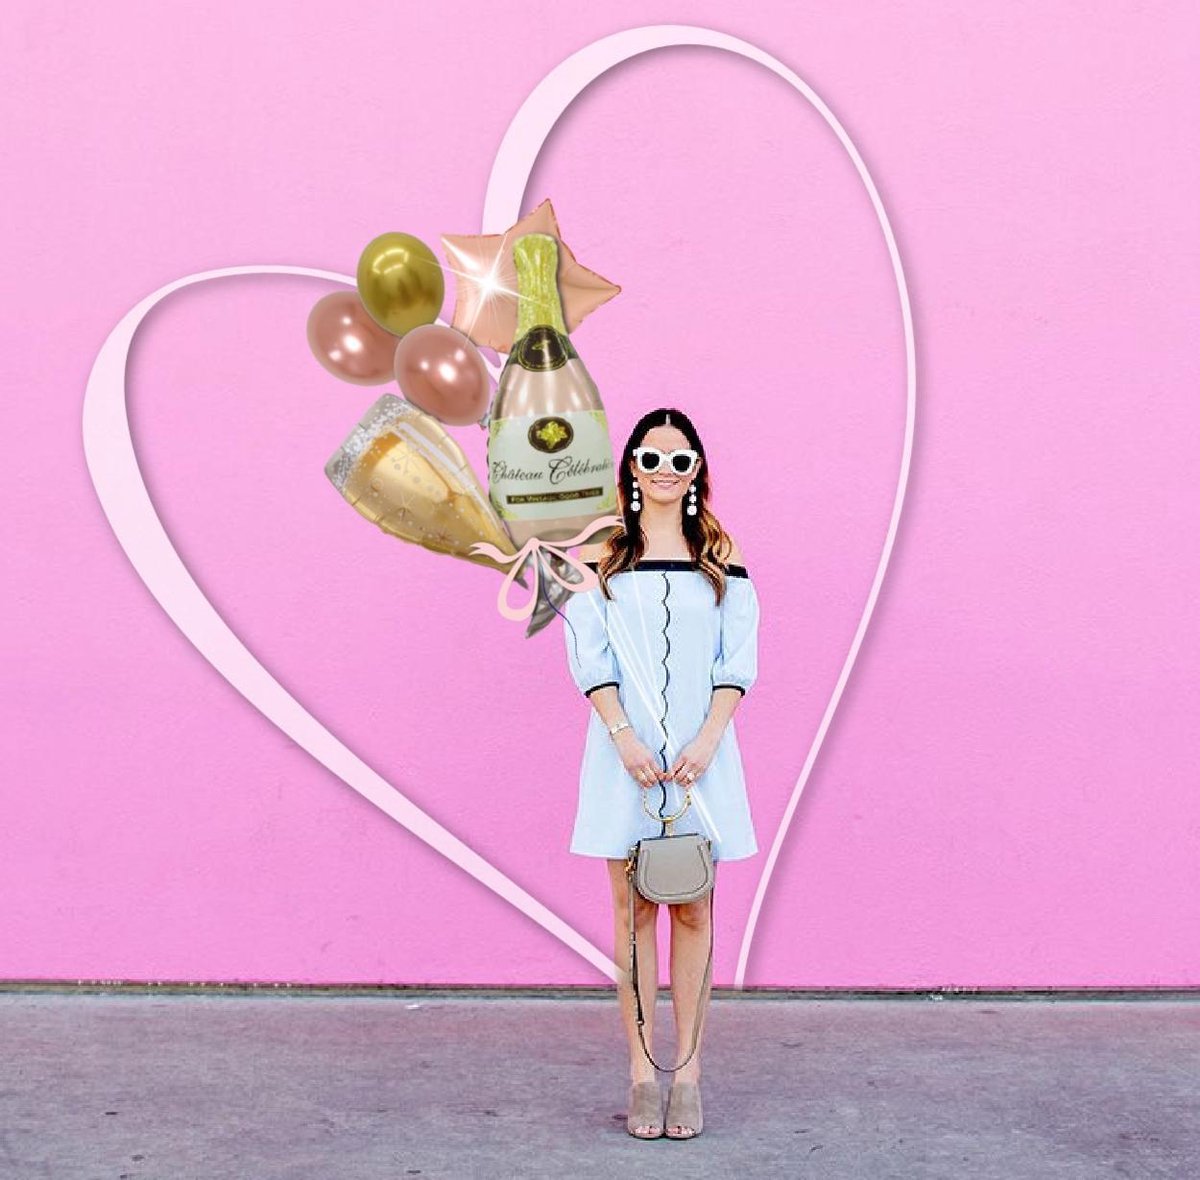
{"x":403,"y":472}
{"x":485,"y":297}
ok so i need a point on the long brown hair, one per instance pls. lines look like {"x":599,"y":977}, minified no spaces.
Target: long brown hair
{"x":709,"y":544}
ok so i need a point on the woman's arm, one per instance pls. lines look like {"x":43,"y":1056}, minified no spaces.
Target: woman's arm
{"x":733,"y":672}
{"x":596,"y":672}
{"x":724,"y":704}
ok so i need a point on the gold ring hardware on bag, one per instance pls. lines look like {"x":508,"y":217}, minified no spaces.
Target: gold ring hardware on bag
{"x":670,"y":869}
{"x":667,"y":820}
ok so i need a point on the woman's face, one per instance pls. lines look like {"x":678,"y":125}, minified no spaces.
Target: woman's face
{"x":664,"y":486}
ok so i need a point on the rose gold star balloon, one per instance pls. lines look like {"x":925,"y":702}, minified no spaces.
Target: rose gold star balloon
{"x":485,"y":296}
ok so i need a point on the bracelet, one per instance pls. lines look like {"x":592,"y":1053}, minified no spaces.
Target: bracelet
{"x":613,"y":730}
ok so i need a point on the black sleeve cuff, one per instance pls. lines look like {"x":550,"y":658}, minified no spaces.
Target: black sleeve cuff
{"x":588,"y":692}
{"x":737,"y":686}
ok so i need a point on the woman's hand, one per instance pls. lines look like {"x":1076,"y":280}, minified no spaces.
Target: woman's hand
{"x":694,"y":759}
{"x":638,"y":759}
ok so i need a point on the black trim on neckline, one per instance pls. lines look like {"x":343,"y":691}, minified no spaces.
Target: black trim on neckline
{"x":674,"y":563}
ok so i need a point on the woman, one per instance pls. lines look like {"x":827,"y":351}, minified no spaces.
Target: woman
{"x":664,"y":648}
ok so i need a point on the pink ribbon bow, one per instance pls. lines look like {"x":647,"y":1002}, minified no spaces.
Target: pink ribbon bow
{"x":534,"y":547}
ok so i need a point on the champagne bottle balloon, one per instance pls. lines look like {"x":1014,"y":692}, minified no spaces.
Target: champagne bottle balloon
{"x":550,"y":462}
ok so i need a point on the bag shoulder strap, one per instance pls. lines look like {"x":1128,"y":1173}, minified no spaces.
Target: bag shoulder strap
{"x":633,"y":972}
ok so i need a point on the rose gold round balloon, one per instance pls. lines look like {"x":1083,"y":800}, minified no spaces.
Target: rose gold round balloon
{"x":441,"y":372}
{"x":348,"y":342}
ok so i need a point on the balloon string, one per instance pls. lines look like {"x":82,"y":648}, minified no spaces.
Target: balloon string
{"x":535,"y":547}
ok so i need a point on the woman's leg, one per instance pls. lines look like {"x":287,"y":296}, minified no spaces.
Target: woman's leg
{"x":690,"y":933}
{"x":646,"y":922}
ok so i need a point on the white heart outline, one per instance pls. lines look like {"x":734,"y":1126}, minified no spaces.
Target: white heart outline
{"x":112,"y":464}
{"x":514,"y":162}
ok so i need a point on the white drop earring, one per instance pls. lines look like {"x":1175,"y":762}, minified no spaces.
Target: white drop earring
{"x":634,"y":502}
{"x":691,"y":505}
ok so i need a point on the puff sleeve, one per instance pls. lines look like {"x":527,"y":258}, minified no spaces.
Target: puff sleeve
{"x":585,"y":629}
{"x":736,"y":666}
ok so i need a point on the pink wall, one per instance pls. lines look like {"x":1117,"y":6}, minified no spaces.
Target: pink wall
{"x":1007,"y":793}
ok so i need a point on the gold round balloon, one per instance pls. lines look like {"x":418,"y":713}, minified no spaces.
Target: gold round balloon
{"x":400,"y":282}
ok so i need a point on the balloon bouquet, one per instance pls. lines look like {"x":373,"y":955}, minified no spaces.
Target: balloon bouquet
{"x":551,"y":477}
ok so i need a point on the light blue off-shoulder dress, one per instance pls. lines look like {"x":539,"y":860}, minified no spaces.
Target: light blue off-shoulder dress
{"x":666,"y":644}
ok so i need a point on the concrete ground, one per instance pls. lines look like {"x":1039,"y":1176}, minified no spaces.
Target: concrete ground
{"x":125,"y":1085}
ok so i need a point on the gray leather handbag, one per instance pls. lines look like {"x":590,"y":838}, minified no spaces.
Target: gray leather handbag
{"x":670,"y":869}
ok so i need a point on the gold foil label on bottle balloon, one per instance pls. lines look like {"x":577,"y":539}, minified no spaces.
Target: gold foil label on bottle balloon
{"x":542,"y":349}
{"x":541,"y":464}
{"x":550,"y":434}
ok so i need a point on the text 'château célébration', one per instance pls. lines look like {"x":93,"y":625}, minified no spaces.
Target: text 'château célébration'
{"x":550,"y":462}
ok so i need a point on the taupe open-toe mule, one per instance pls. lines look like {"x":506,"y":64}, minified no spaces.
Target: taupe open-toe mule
{"x":683,"y":1110}
{"x":645,"y":1110}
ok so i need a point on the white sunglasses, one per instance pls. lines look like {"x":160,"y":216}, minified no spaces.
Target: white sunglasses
{"x":651,"y":459}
